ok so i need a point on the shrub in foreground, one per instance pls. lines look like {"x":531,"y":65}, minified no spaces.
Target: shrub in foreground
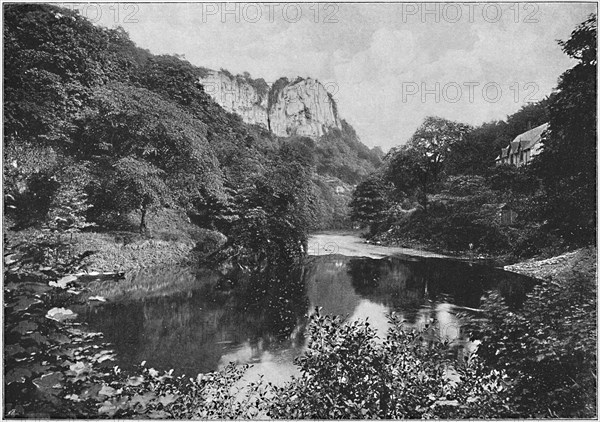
{"x":548,"y":347}
{"x":347,"y":373}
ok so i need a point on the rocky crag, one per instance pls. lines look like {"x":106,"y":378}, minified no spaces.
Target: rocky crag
{"x":302,"y":107}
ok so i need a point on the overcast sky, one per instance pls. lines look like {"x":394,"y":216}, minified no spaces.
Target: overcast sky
{"x":387,"y":65}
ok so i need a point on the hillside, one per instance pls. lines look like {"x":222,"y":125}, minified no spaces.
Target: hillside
{"x":91,"y":116}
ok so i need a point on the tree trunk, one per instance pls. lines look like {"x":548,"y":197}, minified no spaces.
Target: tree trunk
{"x":425,"y":196}
{"x":143,"y":227}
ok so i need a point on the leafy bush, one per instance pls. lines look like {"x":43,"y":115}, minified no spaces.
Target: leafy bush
{"x":548,"y":347}
{"x":347,"y":373}
{"x":535,"y":239}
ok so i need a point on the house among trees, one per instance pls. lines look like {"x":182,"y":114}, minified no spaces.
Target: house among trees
{"x":503,"y":214}
{"x":523,"y":148}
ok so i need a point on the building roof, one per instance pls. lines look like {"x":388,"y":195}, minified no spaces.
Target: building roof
{"x":528,"y":139}
{"x":525,"y":141}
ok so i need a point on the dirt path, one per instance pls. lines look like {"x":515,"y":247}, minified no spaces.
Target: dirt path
{"x":352,"y":245}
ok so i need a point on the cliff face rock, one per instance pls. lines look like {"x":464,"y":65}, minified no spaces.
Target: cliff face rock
{"x":239,"y":94}
{"x":302,"y":107}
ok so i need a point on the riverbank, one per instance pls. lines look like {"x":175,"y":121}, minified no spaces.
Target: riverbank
{"x":351,"y":244}
{"x":583,"y":261}
{"x":550,"y":258}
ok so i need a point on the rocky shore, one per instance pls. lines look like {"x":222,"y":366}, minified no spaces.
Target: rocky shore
{"x":582,"y":260}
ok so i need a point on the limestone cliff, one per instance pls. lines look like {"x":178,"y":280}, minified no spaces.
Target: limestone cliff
{"x":239,"y":94}
{"x":302,"y":107}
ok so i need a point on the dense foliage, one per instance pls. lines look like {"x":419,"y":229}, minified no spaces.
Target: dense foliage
{"x":370,"y":203}
{"x":567,"y":164}
{"x":417,"y":168}
{"x":142,"y":135}
{"x":548,"y":347}
{"x":348,"y":373}
{"x":341,"y":154}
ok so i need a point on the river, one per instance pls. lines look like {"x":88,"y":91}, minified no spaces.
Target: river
{"x":262,"y":320}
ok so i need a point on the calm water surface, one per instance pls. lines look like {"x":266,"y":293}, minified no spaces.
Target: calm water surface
{"x":261,"y":320}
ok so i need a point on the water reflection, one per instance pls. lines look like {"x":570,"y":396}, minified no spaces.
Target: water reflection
{"x":261,"y":318}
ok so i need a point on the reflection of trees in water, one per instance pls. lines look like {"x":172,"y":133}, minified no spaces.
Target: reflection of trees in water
{"x":408,"y":284}
{"x":169,"y":332}
{"x":365,"y":274}
{"x":391,"y":282}
{"x":191,"y":330}
{"x":265,"y":311}
{"x":425,"y":291}
{"x":330,"y":287}
{"x":154,"y":282}
{"x":273,"y":301}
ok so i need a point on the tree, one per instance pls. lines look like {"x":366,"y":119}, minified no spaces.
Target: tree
{"x":403,"y":170}
{"x":52,"y":57}
{"x":434,"y":140}
{"x":567,"y":163}
{"x":173,"y":141}
{"x":370,"y":203}
{"x":69,"y":206}
{"x":138,"y":185}
{"x":419,"y":166}
{"x":273,"y":222}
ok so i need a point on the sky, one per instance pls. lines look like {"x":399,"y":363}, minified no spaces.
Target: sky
{"x":388,"y":66}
